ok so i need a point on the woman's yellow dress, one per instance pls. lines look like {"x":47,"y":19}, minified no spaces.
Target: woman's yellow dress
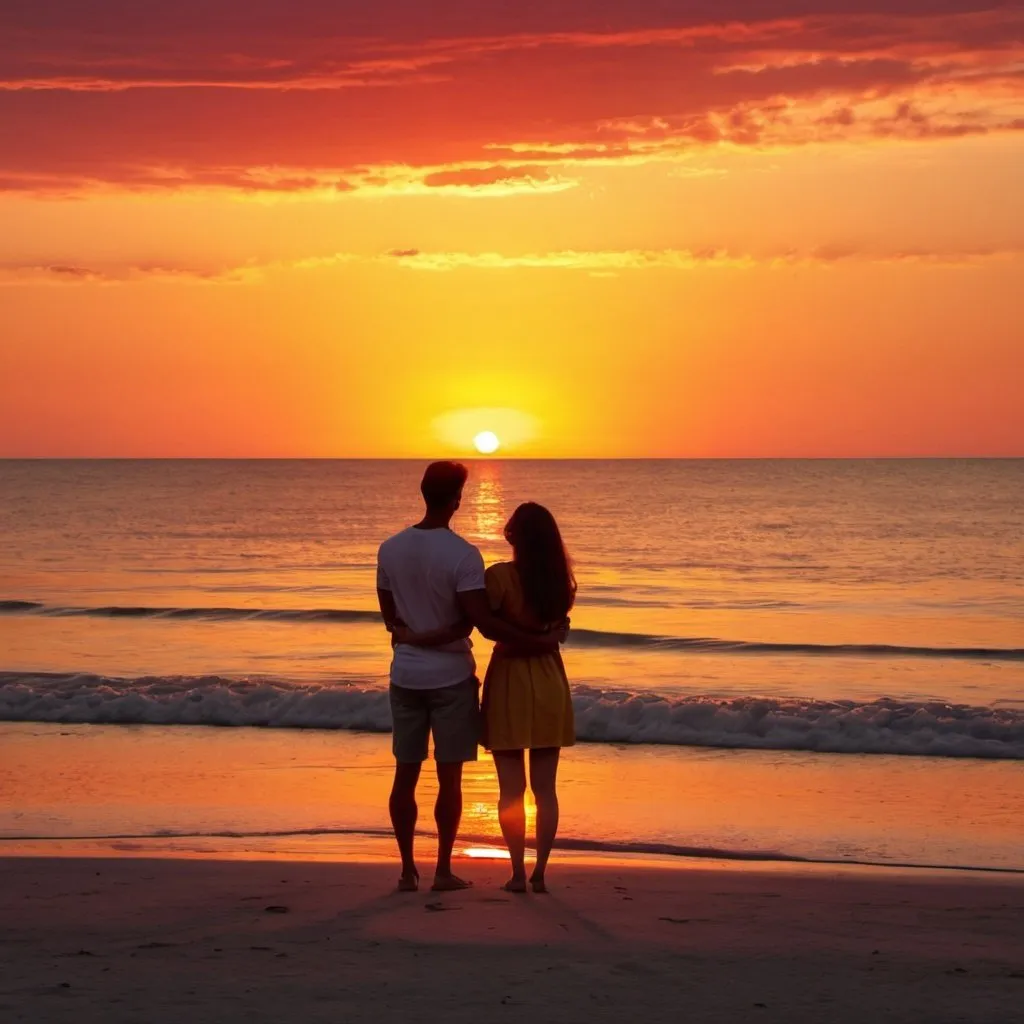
{"x":526,"y":700}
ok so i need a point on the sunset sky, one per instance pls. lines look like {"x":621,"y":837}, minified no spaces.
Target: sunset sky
{"x":598,"y":228}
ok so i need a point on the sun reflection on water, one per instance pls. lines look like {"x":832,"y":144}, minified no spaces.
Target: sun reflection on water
{"x":480,"y":812}
{"x":487,"y":504}
{"x":486,"y":853}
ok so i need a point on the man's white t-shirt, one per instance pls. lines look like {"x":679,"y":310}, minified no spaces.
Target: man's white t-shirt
{"x":424,"y":570}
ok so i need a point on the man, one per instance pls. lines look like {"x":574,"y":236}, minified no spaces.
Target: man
{"x":432,"y":581}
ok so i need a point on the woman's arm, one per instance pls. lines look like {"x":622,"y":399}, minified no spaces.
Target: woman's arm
{"x":388,"y":611}
{"x":402,"y":634}
{"x":559,"y":634}
{"x":433,"y":638}
{"x":475,"y":606}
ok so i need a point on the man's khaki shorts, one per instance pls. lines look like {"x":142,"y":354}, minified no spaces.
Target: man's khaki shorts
{"x":451,"y":713}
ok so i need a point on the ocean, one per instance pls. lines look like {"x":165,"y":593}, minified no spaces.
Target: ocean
{"x":775,"y":620}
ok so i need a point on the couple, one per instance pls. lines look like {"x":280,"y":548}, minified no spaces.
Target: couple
{"x":433,"y":591}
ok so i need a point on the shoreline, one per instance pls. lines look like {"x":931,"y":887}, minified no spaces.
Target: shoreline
{"x":328,"y":845}
{"x":124,"y":939}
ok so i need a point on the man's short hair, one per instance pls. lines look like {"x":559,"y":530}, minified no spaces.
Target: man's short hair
{"x":442,"y":483}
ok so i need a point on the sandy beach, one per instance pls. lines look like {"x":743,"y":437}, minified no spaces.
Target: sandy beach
{"x":134,"y":939}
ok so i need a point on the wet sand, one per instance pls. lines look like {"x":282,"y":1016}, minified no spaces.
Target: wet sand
{"x":159,"y":940}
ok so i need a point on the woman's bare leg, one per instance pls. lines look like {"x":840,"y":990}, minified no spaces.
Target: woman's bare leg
{"x":543,"y":776}
{"x":511,"y":812}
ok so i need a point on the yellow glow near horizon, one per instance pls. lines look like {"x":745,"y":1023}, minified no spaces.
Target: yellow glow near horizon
{"x":486,"y":430}
{"x":486,"y":442}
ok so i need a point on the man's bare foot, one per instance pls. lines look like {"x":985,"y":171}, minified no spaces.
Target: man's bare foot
{"x":517,"y":883}
{"x":409,"y":881}
{"x":537,"y":883}
{"x":449,"y":883}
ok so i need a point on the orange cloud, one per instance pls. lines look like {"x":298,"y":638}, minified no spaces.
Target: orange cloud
{"x":471,"y":100}
{"x":594,"y":262}
{"x":67,"y":273}
{"x":482,"y":176}
{"x":684,"y":259}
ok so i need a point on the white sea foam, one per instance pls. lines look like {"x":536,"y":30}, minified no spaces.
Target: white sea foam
{"x":885,"y":726}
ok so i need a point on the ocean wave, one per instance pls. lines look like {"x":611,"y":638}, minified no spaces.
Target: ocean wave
{"x":712,"y":645}
{"x":201,"y":614}
{"x":884,"y":726}
{"x":579,"y":637}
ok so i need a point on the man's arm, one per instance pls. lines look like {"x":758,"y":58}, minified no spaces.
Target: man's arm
{"x":477,"y":608}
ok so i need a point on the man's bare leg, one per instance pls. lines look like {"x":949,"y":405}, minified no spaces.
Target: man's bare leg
{"x":448,"y":814}
{"x":404,"y":812}
{"x":512,"y":812}
{"x":543,"y":774}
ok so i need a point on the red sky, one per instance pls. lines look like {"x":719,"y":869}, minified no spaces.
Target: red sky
{"x":338,"y":228}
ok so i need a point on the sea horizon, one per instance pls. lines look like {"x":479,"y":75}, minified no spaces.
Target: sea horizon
{"x":476,"y":458}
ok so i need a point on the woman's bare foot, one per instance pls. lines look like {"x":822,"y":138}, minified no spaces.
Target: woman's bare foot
{"x":409,"y":881}
{"x":449,"y":883}
{"x":517,"y":883}
{"x":537,"y":883}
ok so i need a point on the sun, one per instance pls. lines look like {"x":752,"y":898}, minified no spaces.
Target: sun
{"x":486,"y":442}
{"x":489,"y":431}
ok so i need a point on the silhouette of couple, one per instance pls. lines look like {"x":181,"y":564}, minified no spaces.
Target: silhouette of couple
{"x":433,"y":591}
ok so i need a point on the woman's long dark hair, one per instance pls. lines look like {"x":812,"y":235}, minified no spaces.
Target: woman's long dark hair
{"x":544,"y":566}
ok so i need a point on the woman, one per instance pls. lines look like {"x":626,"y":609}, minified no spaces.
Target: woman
{"x":526,"y":699}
